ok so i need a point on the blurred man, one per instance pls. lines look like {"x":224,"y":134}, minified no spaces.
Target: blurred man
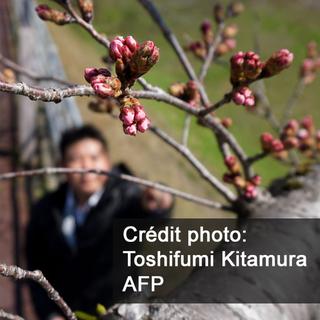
{"x":69,"y":236}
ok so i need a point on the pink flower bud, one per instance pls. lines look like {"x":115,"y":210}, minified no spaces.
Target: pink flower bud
{"x":130,"y":129}
{"x":230,"y":161}
{"x":277,"y":146}
{"x":205,"y":27}
{"x":266,"y":139}
{"x":318,"y":136}
{"x":292,"y":125}
{"x":48,"y":14}
{"x":89,"y":73}
{"x":230,"y":43}
{"x":243,"y":96}
{"x":98,"y":79}
{"x":143,"y":125}
{"x":115,"y":49}
{"x":250,"y":192}
{"x":127,"y":115}
{"x":139,"y":113}
{"x":303,"y":134}
{"x":291,"y":142}
{"x":131,"y":43}
{"x":307,"y":122}
{"x":126,"y":53}
{"x":103,"y":90}
{"x":279,"y":61}
{"x":256,"y":180}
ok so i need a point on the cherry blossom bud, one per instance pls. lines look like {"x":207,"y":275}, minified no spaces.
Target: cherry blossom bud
{"x":312,"y":50}
{"x":232,"y":164}
{"x":177,"y":89}
{"x":239,"y":182}
{"x":307,"y":123}
{"x":126,"y":53}
{"x":143,"y":125}
{"x":226,"y":122}
{"x":48,"y":14}
{"x":103,"y":90}
{"x":303,"y":134}
{"x":89,"y":73}
{"x":228,"y":178}
{"x":279,"y":61}
{"x":230,"y":31}
{"x":218,"y":13}
{"x":222,"y":49}
{"x":245,"y":67}
{"x":291,"y":142}
{"x":106,"y":86}
{"x":130,"y":130}
{"x":116,"y":48}
{"x":292,"y":126}
{"x":144,"y":58}
{"x":235,"y":8}
{"x":256,"y":180}
{"x":127,"y":115}
{"x":250,"y":192}
{"x":266,"y":139}
{"x":139,"y":113}
{"x":318,"y":136}
{"x":277,"y":146}
{"x":86,"y":8}
{"x":206,"y":27}
{"x":243,"y":96}
{"x":230,"y":43}
{"x":131,"y":43}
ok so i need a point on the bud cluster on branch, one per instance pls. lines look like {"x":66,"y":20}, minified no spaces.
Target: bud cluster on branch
{"x":311,"y":64}
{"x":226,"y":42}
{"x":188,"y":92}
{"x":58,"y":17}
{"x":247,"y":188}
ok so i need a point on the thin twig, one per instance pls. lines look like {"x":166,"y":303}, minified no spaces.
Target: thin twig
{"x":9,"y":316}
{"x":126,"y":177}
{"x":37,"y":276}
{"x":257,"y":157}
{"x":186,"y":129}
{"x":30,"y":74}
{"x":293,"y":99}
{"x":203,"y":171}
{"x":226,"y":99}
{"x":172,"y":39}
{"x":211,"y":52}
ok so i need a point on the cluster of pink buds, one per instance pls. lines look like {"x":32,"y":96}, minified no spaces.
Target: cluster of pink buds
{"x":247,"y":188}
{"x":200,"y":47}
{"x":133,"y":116}
{"x":48,"y":14}
{"x":247,"y":67}
{"x":294,"y":135}
{"x":103,"y":83}
{"x":188,"y":92}
{"x":311,"y":64}
{"x":86,"y":8}
{"x":243,"y":96}
{"x":132,"y":59}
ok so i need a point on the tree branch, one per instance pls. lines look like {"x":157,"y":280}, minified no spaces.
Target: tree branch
{"x":211,"y":52}
{"x":30,"y":74}
{"x":203,"y":171}
{"x":37,"y":276}
{"x":9,"y":316}
{"x":126,"y":177}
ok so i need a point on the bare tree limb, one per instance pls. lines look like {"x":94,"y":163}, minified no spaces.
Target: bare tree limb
{"x":126,"y":177}
{"x":8,"y":316}
{"x":37,"y":276}
{"x":203,"y":171}
{"x":226,"y":99}
{"x":186,"y":129}
{"x":30,"y":74}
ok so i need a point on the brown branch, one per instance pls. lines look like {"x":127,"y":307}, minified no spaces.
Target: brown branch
{"x":46,"y":94}
{"x":172,"y":39}
{"x":9,"y":316}
{"x":226,"y":99}
{"x":30,"y":74}
{"x":37,"y":276}
{"x":258,"y":157}
{"x":211,"y":52}
{"x":126,"y":177}
{"x":202,"y":170}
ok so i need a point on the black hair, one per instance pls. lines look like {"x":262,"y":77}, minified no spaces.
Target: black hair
{"x":76,"y":134}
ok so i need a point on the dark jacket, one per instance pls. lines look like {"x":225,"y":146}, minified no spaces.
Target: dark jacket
{"x":82,"y":277}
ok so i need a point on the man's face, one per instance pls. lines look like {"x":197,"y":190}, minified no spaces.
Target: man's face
{"x":89,"y":154}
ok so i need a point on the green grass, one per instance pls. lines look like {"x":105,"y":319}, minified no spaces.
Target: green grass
{"x":276,"y":24}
